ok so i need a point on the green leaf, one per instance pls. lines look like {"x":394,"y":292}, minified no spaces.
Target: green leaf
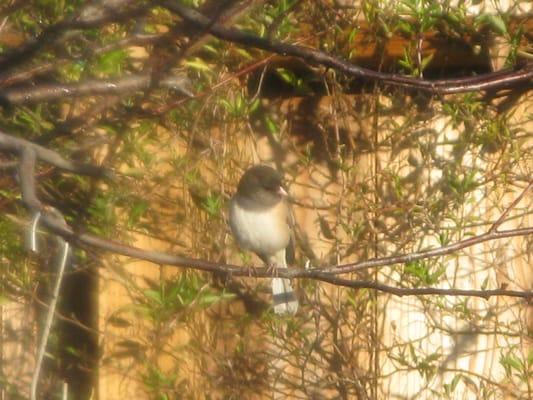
{"x":72,"y":72}
{"x":530,"y":358}
{"x":271,"y":125}
{"x":111,"y":63}
{"x":432,"y":357}
{"x":3,"y":300}
{"x":510,"y":362}
{"x":198,"y":64}
{"x":210,"y":298}
{"x":154,"y":295}
{"x":254,"y":105}
{"x":137,"y":211}
{"x":245,"y":54}
{"x":72,"y":351}
{"x":444,"y":238}
{"x":497,"y":23}
{"x":426,"y":60}
{"x":287,"y":76}
{"x":212,"y":204}
{"x":456,"y":379}
{"x":485,"y":283}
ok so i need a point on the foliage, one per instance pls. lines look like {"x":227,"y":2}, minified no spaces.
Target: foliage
{"x":388,"y":176}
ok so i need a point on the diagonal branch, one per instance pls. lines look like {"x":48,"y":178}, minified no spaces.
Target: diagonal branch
{"x":17,"y":145}
{"x":500,"y":220}
{"x":420,"y":255}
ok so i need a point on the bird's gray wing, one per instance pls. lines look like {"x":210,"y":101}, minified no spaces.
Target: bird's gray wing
{"x":290,"y":250}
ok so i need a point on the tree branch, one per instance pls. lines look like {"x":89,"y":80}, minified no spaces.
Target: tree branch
{"x":17,"y":145}
{"x":426,"y":291}
{"x":502,"y":217}
{"x":420,"y":255}
{"x":29,"y":152}
{"x":496,"y":80}
{"x":46,"y":92}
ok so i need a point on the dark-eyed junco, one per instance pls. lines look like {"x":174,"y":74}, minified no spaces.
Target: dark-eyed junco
{"x":261,"y":221}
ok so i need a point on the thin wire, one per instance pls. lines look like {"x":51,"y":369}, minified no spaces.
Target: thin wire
{"x":49,"y":320}
{"x":33,"y":231}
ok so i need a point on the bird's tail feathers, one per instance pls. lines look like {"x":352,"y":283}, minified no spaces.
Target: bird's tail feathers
{"x":283,"y":296}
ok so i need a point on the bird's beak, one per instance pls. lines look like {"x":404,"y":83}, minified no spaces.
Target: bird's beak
{"x":283,"y":192}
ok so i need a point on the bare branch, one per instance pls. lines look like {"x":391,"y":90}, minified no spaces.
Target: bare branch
{"x":28,"y":157}
{"x":426,"y":291}
{"x":221,"y":12}
{"x":27,"y":178}
{"x":17,"y":145}
{"x":440,"y":251}
{"x":497,"y":80}
{"x":46,"y":92}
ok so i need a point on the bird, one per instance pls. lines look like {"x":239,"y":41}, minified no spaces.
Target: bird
{"x":261,"y":221}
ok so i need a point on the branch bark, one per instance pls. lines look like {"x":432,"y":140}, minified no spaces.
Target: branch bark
{"x":18,"y":146}
{"x":128,"y":84}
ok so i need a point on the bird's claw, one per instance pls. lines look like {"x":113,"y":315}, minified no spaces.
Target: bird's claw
{"x":272,"y":269}
{"x":252,"y":269}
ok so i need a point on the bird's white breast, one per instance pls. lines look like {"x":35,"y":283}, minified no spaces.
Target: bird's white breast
{"x":261,"y":231}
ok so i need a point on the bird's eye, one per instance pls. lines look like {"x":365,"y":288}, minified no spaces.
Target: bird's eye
{"x":272,"y":186}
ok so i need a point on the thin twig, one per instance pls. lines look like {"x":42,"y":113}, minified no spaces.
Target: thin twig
{"x":502,"y":217}
{"x":424,"y":291}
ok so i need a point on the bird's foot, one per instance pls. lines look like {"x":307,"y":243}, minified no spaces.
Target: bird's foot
{"x":252,"y":271}
{"x":272,"y":269}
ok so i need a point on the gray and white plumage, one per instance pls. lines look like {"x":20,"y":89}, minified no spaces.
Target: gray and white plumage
{"x":260,"y":220}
